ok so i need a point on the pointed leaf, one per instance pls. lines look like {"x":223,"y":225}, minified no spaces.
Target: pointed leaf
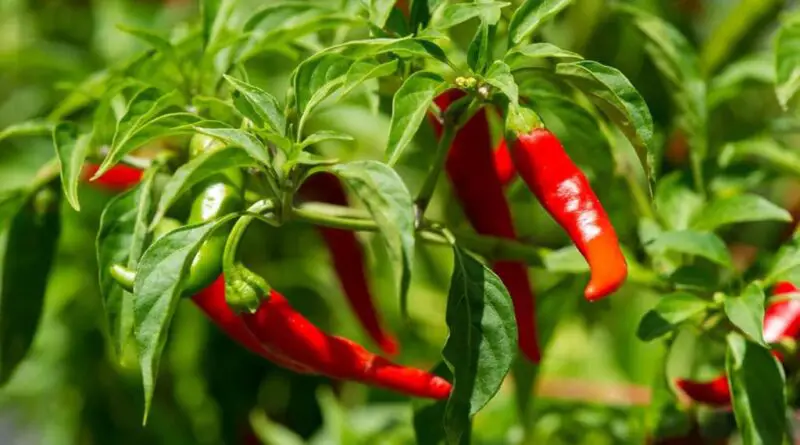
{"x":787,"y":61}
{"x":320,"y":136}
{"x":263,"y":104}
{"x":27,"y":128}
{"x":670,"y":311}
{"x":737,"y":209}
{"x":482,"y":343}
{"x":757,"y":383}
{"x":386,"y":197}
{"x":121,"y":239}
{"x":619,"y":100}
{"x":746,"y":312}
{"x":27,"y":258}
{"x":409,"y":106}
{"x":240,"y":138}
{"x":156,"y":293}
{"x":202,"y":167}
{"x":517,"y":57}
{"x":703,"y":244}
{"x":71,"y":150}
{"x":453,"y":14}
{"x":530,"y":15}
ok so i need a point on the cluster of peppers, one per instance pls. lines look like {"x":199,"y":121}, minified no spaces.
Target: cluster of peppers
{"x":781,"y":322}
{"x":559,"y":185}
{"x":478,"y":174}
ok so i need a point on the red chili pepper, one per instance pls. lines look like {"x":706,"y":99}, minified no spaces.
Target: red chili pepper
{"x":282,"y":329}
{"x":781,"y":320}
{"x":211,"y":301}
{"x":503,"y":164}
{"x":120,"y":177}
{"x":565,"y":193}
{"x":471,"y":168}
{"x":348,"y":259}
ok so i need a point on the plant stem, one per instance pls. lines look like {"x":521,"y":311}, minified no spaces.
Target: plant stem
{"x":428,"y":187}
{"x":489,"y":246}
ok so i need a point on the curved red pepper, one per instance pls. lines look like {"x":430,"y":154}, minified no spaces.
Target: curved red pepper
{"x":565,"y":193}
{"x":282,"y":329}
{"x":781,"y":320}
{"x":120,"y":177}
{"x":471,"y":168}
{"x":348,"y":259}
{"x":211,"y":301}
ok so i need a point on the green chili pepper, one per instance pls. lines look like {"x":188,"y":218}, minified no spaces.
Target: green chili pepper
{"x":216,"y":196}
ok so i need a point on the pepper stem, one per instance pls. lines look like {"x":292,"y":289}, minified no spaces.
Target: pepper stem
{"x":454,"y":117}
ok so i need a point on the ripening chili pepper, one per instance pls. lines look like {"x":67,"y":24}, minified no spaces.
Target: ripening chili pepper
{"x":348,"y":259}
{"x":282,"y":329}
{"x":120,"y":177}
{"x":565,"y":193}
{"x":781,"y":320}
{"x":476,"y":183}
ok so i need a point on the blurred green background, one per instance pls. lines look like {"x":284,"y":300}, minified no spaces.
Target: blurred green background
{"x":594,"y":385}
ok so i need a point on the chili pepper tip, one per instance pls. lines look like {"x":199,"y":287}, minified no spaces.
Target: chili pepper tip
{"x":714,"y":392}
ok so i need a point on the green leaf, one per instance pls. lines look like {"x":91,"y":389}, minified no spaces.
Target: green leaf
{"x":28,"y":254}
{"x":409,"y":106}
{"x":142,"y":110}
{"x":324,"y":135}
{"x":565,"y":260}
{"x":764,"y":149}
{"x":676,"y":203}
{"x":27,"y":128}
{"x":499,"y":76}
{"x":738,"y":76}
{"x":757,"y":389}
{"x":453,"y":14}
{"x":71,"y":150}
{"x":362,"y":71}
{"x":530,"y":15}
{"x":677,"y":61}
{"x":387,"y":199}
{"x":202,"y":167}
{"x":787,"y":61}
{"x":737,"y":209}
{"x":121,"y":239}
{"x":740,"y":22}
{"x":158,"y":42}
{"x":379,"y":11}
{"x":156,"y":293}
{"x":615,"y":95}
{"x":265,"y":108}
{"x":746,"y":312}
{"x":520,"y":57}
{"x":482,"y":343}
{"x":670,"y":311}
{"x":215,"y":15}
{"x":786,"y":261}
{"x":703,"y":244}
{"x":318,"y":78}
{"x":479,"y":51}
{"x":240,"y":138}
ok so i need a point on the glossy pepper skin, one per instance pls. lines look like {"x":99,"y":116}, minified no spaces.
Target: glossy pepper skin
{"x":503,"y":164}
{"x":471,"y":169}
{"x":781,"y":320}
{"x":348,"y":259}
{"x":216,"y":196}
{"x":565,"y":193}
{"x":282,"y":329}
{"x":119,"y":178}
{"x":211,"y":301}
